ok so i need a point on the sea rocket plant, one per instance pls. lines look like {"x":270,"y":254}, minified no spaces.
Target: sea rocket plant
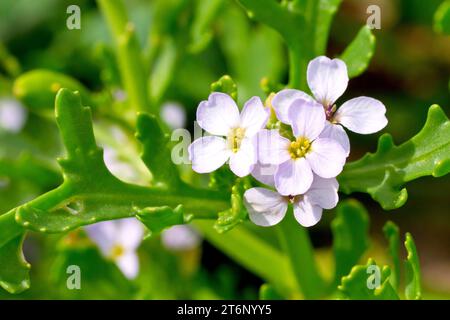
{"x":328,"y":80}
{"x":308,"y":153}
{"x":268,"y":208}
{"x":118,"y":240}
{"x":219,"y":116}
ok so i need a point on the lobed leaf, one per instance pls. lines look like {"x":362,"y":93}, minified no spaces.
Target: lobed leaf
{"x":413,"y":289}
{"x":350,"y":230}
{"x":158,"y":219}
{"x":14,"y":269}
{"x":359,"y":52}
{"x":391,"y":232}
{"x":356,"y":286}
{"x":442,"y":18}
{"x":387,"y":170}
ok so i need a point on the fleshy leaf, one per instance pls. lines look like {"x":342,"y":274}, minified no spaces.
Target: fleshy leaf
{"x":37,"y":89}
{"x":391,"y":232}
{"x":14,"y":270}
{"x":413,"y":289}
{"x":201,"y":32}
{"x":230,"y":218}
{"x":355,"y":286}
{"x":267,"y":292}
{"x":226,"y":85}
{"x":442,"y":18}
{"x":386,"y":171}
{"x":158,"y":219}
{"x":359,"y":52}
{"x":156,"y":154}
{"x":350,"y":236}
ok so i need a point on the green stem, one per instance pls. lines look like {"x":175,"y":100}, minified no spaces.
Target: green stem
{"x":128,"y":53}
{"x":297,"y":245}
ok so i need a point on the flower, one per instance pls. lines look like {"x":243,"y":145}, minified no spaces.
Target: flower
{"x":308,"y":153}
{"x":219,"y":116}
{"x":12,"y":115}
{"x":267,"y":208}
{"x":173,"y":114}
{"x":180,"y":238}
{"x":118,"y":240}
{"x":328,"y":80}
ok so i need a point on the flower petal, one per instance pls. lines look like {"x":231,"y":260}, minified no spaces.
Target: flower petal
{"x":128,"y":263}
{"x":327,"y":79}
{"x":323,"y":192}
{"x":326,"y":158}
{"x":306,"y":213}
{"x":242,"y":162}
{"x":293,"y":177}
{"x":180,"y":237}
{"x":219,"y":114}
{"x":103,"y":234}
{"x":264,"y":173}
{"x":254,"y":116}
{"x":283,"y":100}
{"x":130,"y":233}
{"x":308,"y":119}
{"x":265,"y":208}
{"x":272,"y":148}
{"x":362,"y":115}
{"x":336,"y":132}
{"x":208,"y":153}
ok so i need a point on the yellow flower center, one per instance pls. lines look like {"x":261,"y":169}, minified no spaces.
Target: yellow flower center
{"x":117,"y":251}
{"x":235,"y":138}
{"x":299,"y":148}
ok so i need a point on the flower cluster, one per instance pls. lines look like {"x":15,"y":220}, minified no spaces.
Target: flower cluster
{"x":301,"y":159}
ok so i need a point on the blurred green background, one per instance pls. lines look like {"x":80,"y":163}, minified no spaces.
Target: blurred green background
{"x":409,"y":72}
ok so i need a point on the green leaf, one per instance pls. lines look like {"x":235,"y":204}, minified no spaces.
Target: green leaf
{"x":442,"y":18}
{"x":386,"y":171}
{"x":37,"y":89}
{"x":14,"y":270}
{"x":358,"y":284}
{"x":326,"y":11}
{"x":158,"y":219}
{"x":359,"y":52}
{"x":237,"y":214}
{"x":201,"y":32}
{"x":350,"y":236}
{"x":90,"y":193}
{"x":226,"y":85}
{"x":253,"y":254}
{"x":267,"y":292}
{"x":156,"y":153}
{"x":391,"y":232}
{"x":413,"y":289}
{"x":163,"y":70}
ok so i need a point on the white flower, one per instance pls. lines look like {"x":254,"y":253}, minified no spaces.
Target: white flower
{"x":119,"y":240}
{"x":219,"y":116}
{"x":268,"y":208}
{"x":173,"y":114}
{"x":180,"y":238}
{"x":328,"y":80}
{"x":12,"y":115}
{"x":308,"y":153}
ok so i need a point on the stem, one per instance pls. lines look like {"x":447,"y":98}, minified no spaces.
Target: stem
{"x":128,"y":53}
{"x":297,"y":245}
{"x":297,"y":69}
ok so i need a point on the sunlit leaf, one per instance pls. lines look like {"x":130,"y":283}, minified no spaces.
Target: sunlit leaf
{"x":442,"y":18}
{"x":361,"y":283}
{"x":359,"y":52}
{"x":413,"y":288}
{"x":391,"y":232}
{"x":386,"y":171}
{"x":350,"y":236}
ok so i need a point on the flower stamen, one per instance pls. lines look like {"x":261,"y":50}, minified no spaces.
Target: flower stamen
{"x":235,"y":138}
{"x":117,"y":251}
{"x":299,"y":148}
